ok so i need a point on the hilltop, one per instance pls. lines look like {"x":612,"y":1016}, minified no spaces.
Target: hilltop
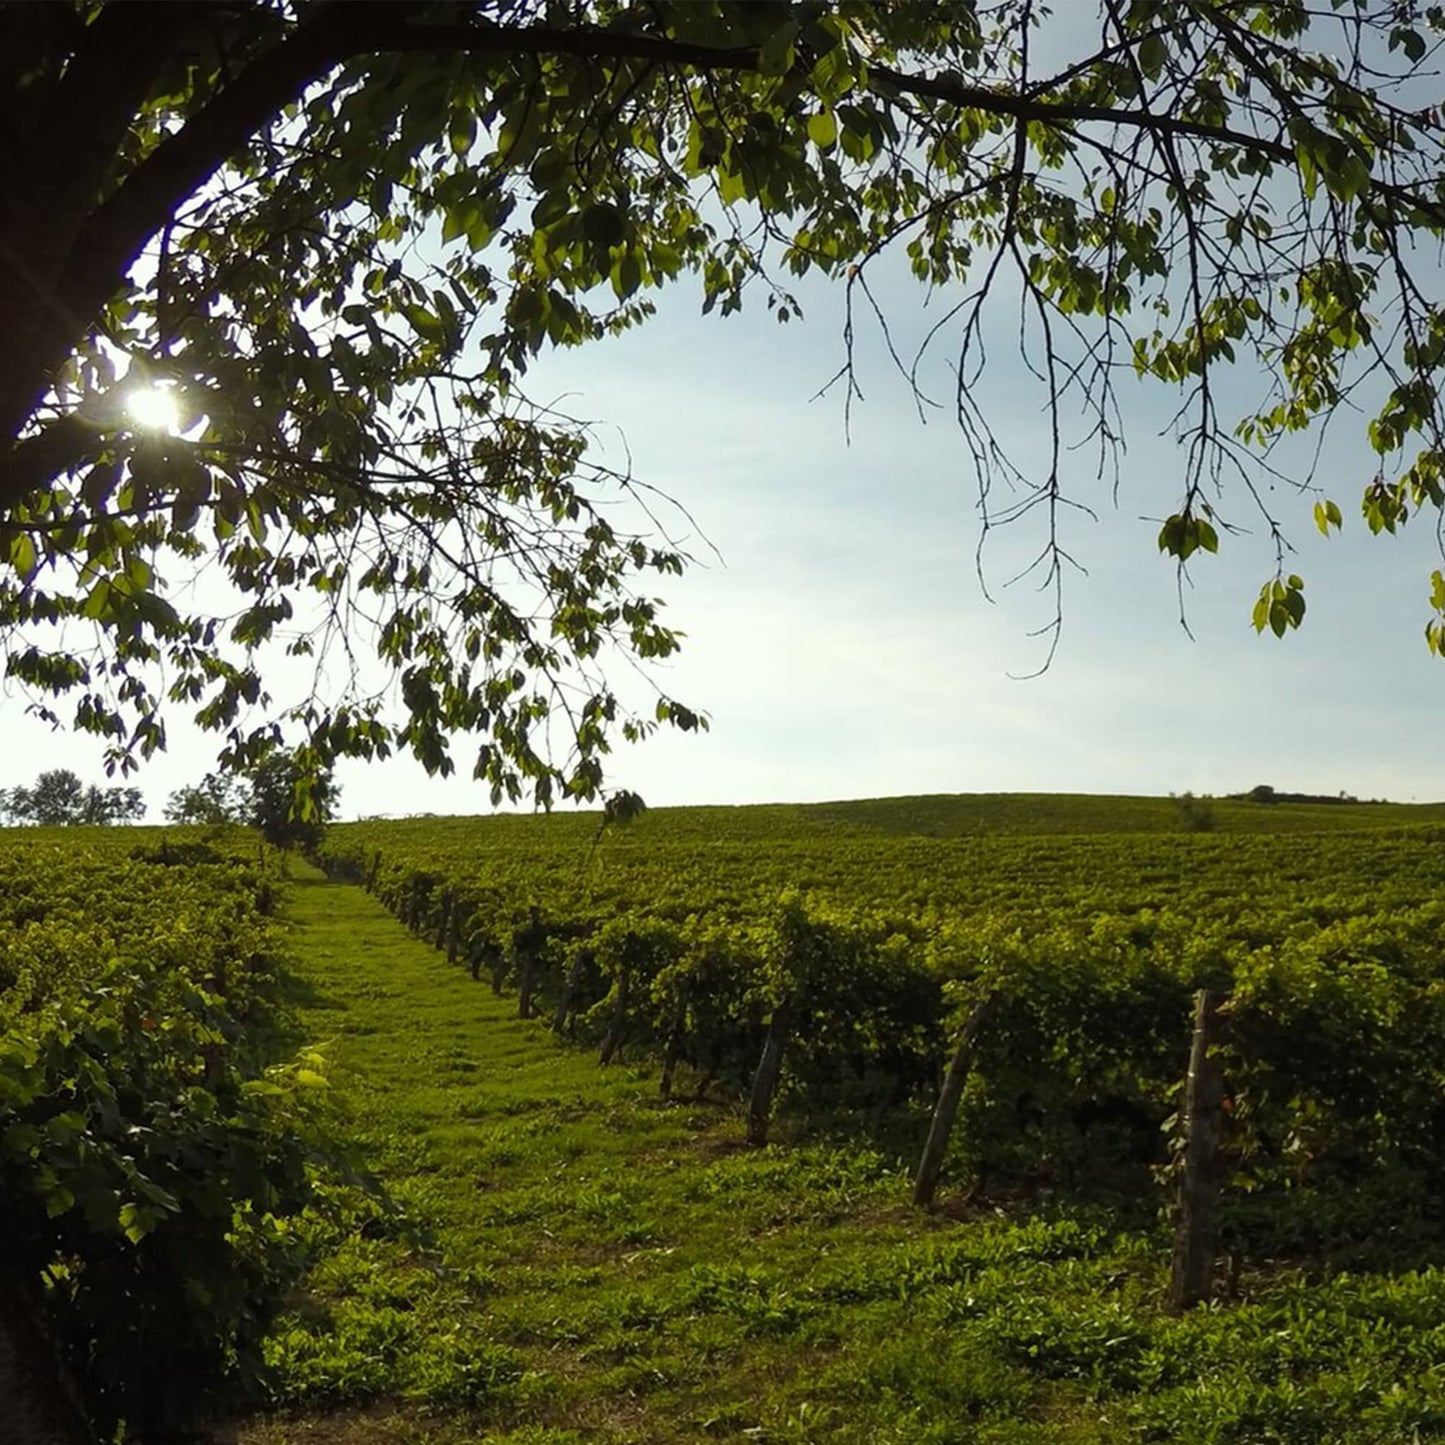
{"x":961,"y":815}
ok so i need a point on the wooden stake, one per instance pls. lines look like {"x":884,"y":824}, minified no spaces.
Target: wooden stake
{"x":527,"y":972}
{"x":930,"y":1166}
{"x":1199,"y":1176}
{"x":453,"y":926}
{"x":676,"y":1037}
{"x":770,"y":1070}
{"x":569,"y":992}
{"x":619,"y":1017}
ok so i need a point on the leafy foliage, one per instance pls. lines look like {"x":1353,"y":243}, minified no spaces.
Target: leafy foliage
{"x":58,"y":798}
{"x":290,"y":801}
{"x":339,"y":236}
{"x":153,"y":1161}
{"x":219,"y":798}
{"x":673,"y":940}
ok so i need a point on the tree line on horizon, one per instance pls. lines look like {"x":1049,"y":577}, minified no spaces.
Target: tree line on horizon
{"x":283,"y":796}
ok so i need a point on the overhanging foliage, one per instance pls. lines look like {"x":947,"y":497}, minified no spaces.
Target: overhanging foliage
{"x":342,"y":232}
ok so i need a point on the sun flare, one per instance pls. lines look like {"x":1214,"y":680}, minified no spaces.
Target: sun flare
{"x":153,"y":408}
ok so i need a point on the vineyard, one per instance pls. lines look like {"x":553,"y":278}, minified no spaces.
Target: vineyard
{"x":829,"y":965}
{"x":850,"y":1123}
{"x":154,"y":1157}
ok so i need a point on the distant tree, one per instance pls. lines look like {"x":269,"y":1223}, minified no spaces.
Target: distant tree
{"x":1263,"y":793}
{"x":1196,"y":814}
{"x":58,"y":798}
{"x":218,"y":798}
{"x":292,"y":799}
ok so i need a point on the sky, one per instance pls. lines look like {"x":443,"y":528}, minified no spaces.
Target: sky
{"x":840,"y":642}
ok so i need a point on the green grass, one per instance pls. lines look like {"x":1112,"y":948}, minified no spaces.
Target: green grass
{"x":564,"y":1259}
{"x":965,"y":815}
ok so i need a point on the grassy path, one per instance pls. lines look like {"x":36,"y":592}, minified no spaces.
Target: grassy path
{"x":475,"y":1120}
{"x":568,"y":1261}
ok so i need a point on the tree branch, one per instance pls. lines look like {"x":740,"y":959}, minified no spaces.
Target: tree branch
{"x":108,"y":244}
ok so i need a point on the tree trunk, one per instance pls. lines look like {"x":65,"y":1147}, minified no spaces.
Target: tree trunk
{"x":930,"y":1166}
{"x":619,"y":1018}
{"x":770,"y":1071}
{"x":1199,"y":1176}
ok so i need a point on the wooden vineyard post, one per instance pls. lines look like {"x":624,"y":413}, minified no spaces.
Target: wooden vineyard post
{"x":527,"y":946}
{"x":1199,"y":1174}
{"x":619,"y":1018}
{"x":453,"y":926}
{"x":676,"y":1037}
{"x":526,"y":973}
{"x":481,"y":951}
{"x":569,"y":992}
{"x":930,"y":1166}
{"x":770,"y":1069}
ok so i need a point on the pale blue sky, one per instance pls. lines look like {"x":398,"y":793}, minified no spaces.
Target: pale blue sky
{"x":843,"y":647}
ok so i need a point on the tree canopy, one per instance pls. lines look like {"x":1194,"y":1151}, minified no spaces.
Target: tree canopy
{"x":219,"y":799}
{"x":58,"y":798}
{"x":290,"y":802}
{"x":338,"y":234}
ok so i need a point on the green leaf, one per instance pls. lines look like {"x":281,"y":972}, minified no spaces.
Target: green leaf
{"x":1260,"y":615}
{"x":775,"y":55}
{"x":22,"y":556}
{"x":427,"y":326}
{"x":462,"y":134}
{"x":1183,"y":534}
{"x":626,"y":275}
{"x":823,"y":129}
{"x":1153,"y":55}
{"x":603,"y":225}
{"x":136,"y":1221}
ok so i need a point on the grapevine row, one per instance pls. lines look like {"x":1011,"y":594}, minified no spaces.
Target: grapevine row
{"x":839,"y":970}
{"x":152,"y":1165}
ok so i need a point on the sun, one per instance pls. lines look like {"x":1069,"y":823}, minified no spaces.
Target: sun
{"x":154,"y":409}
